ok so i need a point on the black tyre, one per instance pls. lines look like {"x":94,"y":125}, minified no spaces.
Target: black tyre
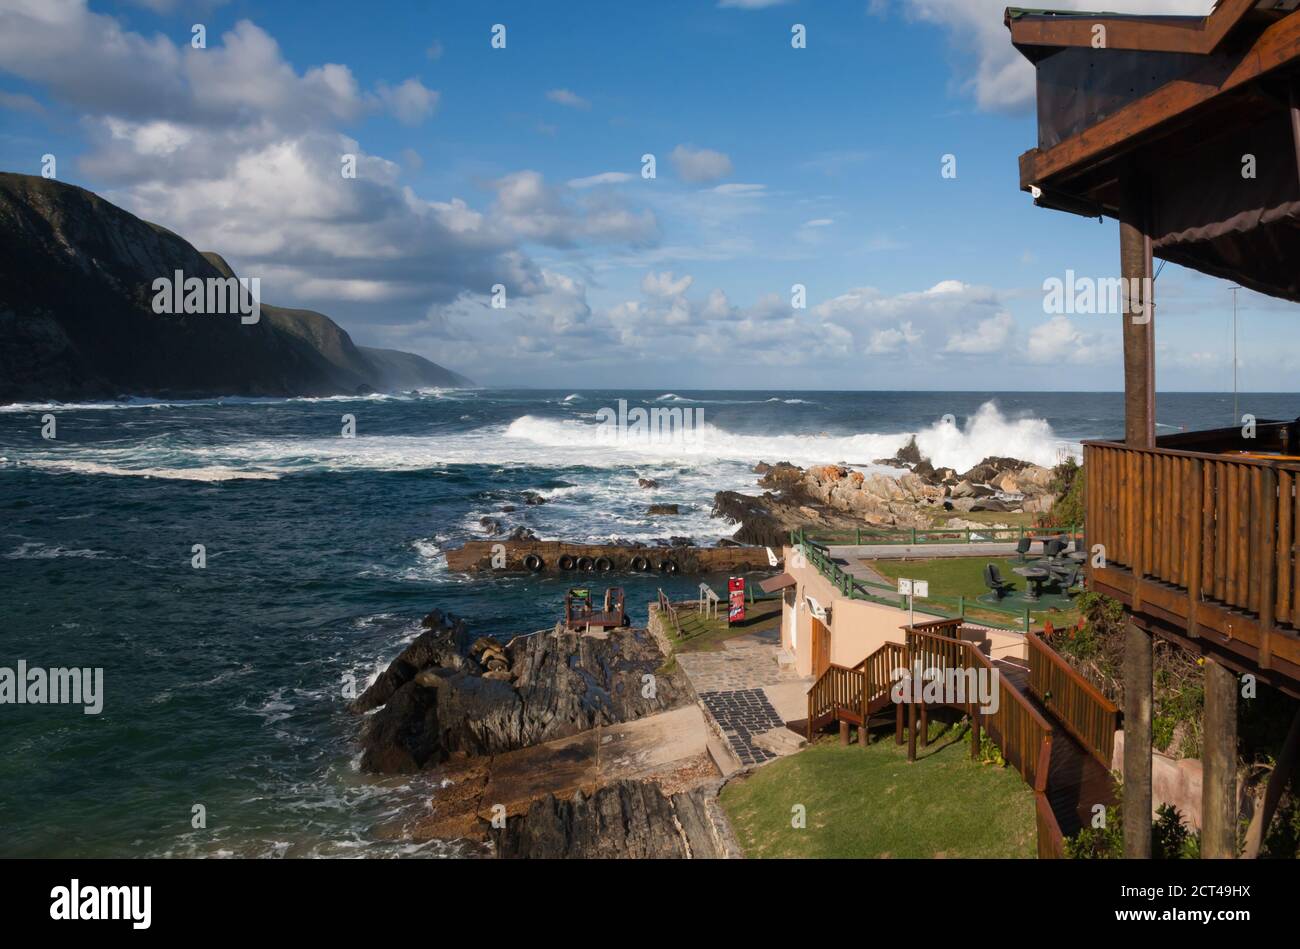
{"x":534,"y":563}
{"x":640,"y":564}
{"x":604,"y":565}
{"x":566,"y":562}
{"x":585,"y":563}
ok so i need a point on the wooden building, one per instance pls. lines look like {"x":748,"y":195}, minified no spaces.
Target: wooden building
{"x":1186,"y":130}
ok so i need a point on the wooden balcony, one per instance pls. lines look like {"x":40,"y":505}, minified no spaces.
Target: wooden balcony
{"x":1202,"y":545}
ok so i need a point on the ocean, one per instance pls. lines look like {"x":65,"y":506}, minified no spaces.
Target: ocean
{"x":223,"y":686}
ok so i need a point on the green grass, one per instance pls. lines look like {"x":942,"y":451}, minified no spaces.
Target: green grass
{"x":700,"y":634}
{"x":872,"y":803}
{"x":951,"y":577}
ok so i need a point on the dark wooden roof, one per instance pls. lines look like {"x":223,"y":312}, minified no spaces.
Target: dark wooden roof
{"x":1178,"y":102}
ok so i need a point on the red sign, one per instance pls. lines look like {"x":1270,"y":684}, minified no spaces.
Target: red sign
{"x":736,"y":600}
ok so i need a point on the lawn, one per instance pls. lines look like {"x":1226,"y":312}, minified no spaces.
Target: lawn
{"x":701,"y":634}
{"x":951,"y":577}
{"x":872,"y":803}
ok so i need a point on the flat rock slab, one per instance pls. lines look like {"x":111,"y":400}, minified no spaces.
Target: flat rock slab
{"x":670,"y":748}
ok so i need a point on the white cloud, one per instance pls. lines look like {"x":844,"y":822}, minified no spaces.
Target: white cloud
{"x":992,"y":70}
{"x":892,"y":339}
{"x":410,"y":101}
{"x":664,"y":286}
{"x":1059,"y":340}
{"x":566,"y":98}
{"x":604,"y":178}
{"x":988,"y":336}
{"x":700,"y":165}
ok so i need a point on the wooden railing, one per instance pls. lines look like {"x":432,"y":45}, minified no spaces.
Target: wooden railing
{"x":1083,"y":710}
{"x":1222,"y":528}
{"x":837,"y":689}
{"x":878,"y":672}
{"x":1016,"y":726}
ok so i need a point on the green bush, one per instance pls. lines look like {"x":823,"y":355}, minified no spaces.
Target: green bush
{"x":1068,"y":490}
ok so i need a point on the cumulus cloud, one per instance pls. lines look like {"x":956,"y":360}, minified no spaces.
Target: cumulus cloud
{"x":991,"y":69}
{"x":410,"y":102}
{"x":240,"y":152}
{"x":700,"y":165}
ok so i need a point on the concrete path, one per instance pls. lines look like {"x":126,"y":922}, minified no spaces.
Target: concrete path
{"x":748,"y":694}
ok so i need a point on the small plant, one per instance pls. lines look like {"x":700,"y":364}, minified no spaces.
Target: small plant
{"x":1170,"y":837}
{"x":990,"y":753}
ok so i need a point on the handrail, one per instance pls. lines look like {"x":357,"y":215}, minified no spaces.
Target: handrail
{"x":1016,"y":726}
{"x":1081,"y":707}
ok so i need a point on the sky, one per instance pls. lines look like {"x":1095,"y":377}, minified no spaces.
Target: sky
{"x":523,"y":167}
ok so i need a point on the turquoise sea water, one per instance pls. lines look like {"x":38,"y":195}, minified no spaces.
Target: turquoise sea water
{"x":224,"y":686}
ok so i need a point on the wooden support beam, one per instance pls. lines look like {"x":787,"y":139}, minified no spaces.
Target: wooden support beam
{"x":911,"y":731}
{"x":844,"y":733}
{"x":862,"y":734}
{"x":898,"y":723}
{"x":1139,"y":318}
{"x":1219,"y":757}
{"x":974,"y":733}
{"x":1137,"y":741}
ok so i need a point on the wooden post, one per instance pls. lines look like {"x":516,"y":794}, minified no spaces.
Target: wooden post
{"x":1219,"y":756}
{"x":911,"y":731}
{"x":1137,"y":741}
{"x":974,"y":733}
{"x":898,"y":724}
{"x":925,"y":725}
{"x":1139,"y":321}
{"x":862,"y":734}
{"x":844,"y":733}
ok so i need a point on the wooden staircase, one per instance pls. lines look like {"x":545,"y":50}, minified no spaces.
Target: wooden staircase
{"x":1051,"y":725}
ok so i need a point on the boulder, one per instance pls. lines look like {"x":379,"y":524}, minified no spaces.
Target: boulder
{"x":662,"y":509}
{"x":647,"y":483}
{"x":532,"y":498}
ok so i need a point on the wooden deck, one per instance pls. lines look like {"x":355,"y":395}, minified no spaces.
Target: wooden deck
{"x":1201,"y":547}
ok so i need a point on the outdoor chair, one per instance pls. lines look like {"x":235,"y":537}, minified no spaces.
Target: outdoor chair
{"x":1022,"y":548}
{"x":1066,"y":576}
{"x":993,"y":580}
{"x":1052,"y":548}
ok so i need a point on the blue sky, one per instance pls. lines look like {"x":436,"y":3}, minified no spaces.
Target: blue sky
{"x":521,"y":166}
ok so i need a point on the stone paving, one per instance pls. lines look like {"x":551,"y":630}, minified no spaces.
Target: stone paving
{"x":743,"y":664}
{"x":731,"y":684}
{"x":743,"y":715}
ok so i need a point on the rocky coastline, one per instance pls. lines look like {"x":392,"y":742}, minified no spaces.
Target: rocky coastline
{"x":837,"y":497}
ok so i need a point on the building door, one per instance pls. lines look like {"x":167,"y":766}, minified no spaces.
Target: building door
{"x":821,"y":646}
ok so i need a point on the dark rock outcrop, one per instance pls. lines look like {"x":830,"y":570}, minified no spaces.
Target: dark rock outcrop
{"x":435,"y":700}
{"x":659,"y":510}
{"x":77,"y":321}
{"x":630,"y":820}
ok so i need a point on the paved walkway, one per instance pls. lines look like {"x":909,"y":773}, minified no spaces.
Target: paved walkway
{"x":747,"y":692}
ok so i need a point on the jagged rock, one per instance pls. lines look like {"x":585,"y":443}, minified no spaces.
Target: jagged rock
{"x":990,"y":504}
{"x":1040,"y":504}
{"x":629,"y":819}
{"x":662,"y":509}
{"x":647,"y":482}
{"x":681,"y":542}
{"x":532,"y":498}
{"x":491,"y":526}
{"x":522,"y":533}
{"x":508,"y":509}
{"x":909,"y":453}
{"x":437,"y":702}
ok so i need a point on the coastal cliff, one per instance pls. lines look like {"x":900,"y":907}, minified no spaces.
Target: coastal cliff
{"x":77,"y":322}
